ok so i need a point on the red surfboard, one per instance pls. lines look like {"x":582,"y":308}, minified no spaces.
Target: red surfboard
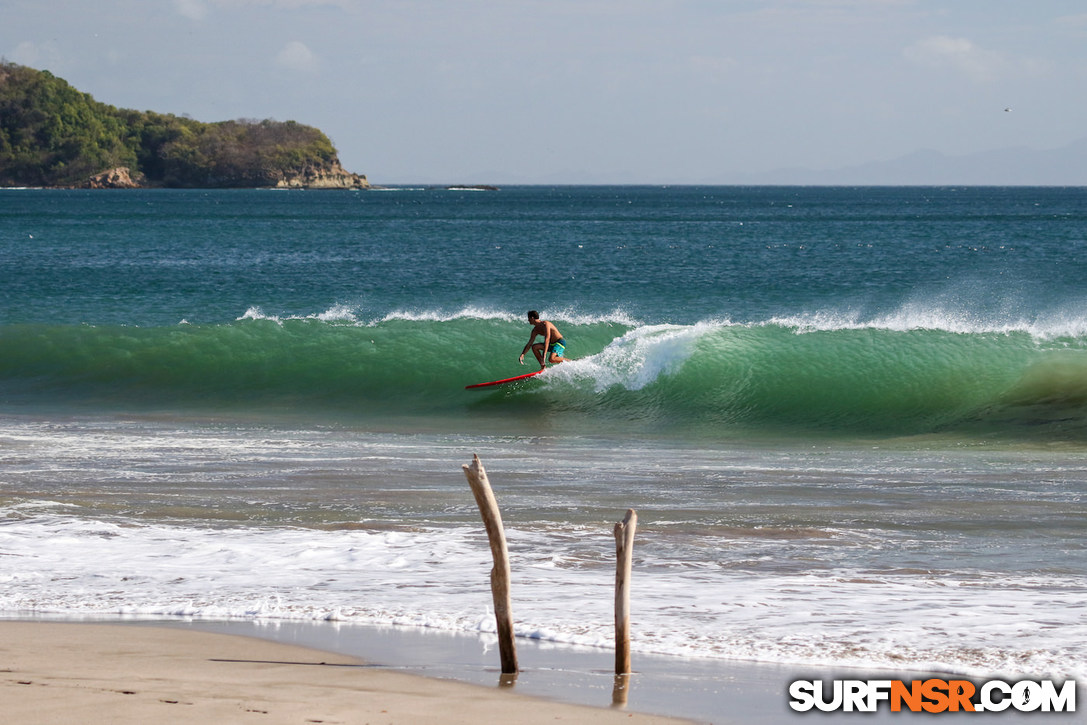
{"x":503,"y":382}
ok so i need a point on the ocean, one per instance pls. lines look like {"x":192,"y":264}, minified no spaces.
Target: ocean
{"x":853,"y":421}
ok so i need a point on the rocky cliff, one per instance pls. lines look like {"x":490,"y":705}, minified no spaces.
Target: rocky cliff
{"x":118,"y":178}
{"x":333,"y":176}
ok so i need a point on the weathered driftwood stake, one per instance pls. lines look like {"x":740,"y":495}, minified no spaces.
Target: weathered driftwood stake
{"x":620,"y":691}
{"x":624,"y":552}
{"x":500,"y":573}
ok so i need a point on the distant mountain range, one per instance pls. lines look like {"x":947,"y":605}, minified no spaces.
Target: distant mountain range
{"x":1065,"y":166}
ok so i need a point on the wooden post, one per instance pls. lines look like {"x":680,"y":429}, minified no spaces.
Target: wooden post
{"x":500,"y":573}
{"x":624,"y":552}
{"x":620,"y":691}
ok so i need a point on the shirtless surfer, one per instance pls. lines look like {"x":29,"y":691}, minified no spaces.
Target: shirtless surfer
{"x":552,"y":341}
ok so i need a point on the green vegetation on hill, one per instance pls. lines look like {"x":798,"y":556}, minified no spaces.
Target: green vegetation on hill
{"x":54,"y":135}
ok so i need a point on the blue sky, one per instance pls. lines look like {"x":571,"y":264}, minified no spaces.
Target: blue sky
{"x":586,"y":91}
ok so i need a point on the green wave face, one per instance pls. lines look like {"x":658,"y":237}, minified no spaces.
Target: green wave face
{"x":715,"y":376}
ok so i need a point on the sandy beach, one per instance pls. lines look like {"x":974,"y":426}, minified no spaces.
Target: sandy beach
{"x":137,"y":674}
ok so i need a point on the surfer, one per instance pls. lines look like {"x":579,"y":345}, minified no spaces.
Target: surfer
{"x":552,"y":341}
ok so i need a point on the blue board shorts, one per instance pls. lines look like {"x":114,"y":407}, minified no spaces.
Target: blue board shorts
{"x":558,"y":347}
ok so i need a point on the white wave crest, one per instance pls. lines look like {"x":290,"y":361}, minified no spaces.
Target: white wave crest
{"x":465,"y":313}
{"x":256,"y":313}
{"x":914,"y":316}
{"x":337,"y":313}
{"x":354,"y":314}
{"x":566,"y":315}
{"x":637,"y":358}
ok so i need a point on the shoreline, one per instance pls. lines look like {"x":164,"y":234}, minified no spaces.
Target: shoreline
{"x":119,"y":674}
{"x":696,"y":690}
{"x":553,"y":676}
{"x":332,"y":672}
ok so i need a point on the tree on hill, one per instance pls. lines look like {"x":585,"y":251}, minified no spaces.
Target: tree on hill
{"x":243,"y":153}
{"x":53,"y":135}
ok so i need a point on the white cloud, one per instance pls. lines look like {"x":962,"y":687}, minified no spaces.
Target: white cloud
{"x":295,"y":55}
{"x":959,"y":54}
{"x":192,"y":9}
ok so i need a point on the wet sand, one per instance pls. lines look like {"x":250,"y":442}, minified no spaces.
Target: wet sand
{"x":52,"y":672}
